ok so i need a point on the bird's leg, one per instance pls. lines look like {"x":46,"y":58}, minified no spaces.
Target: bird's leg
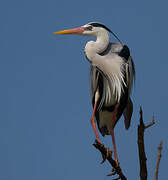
{"x":94,"y":124}
{"x":114,"y":147}
{"x":114,"y":118}
{"x":95,"y":130}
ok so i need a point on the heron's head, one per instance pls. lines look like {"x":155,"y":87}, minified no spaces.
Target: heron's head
{"x":90,"y":29}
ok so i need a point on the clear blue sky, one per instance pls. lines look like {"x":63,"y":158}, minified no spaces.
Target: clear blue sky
{"x":45,"y":105}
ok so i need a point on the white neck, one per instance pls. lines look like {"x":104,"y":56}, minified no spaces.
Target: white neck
{"x":93,"y":48}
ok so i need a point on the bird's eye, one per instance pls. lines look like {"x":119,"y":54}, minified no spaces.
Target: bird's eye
{"x":89,"y":28}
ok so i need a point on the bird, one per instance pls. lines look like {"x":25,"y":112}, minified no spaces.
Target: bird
{"x":112,"y":73}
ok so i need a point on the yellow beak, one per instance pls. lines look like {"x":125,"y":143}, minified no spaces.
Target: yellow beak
{"x":78,"y":30}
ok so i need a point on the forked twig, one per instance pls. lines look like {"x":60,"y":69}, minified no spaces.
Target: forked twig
{"x":141,"y":146}
{"x":151,"y":123}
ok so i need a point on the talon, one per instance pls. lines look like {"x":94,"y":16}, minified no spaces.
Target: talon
{"x":102,"y":145}
{"x":108,"y":153}
{"x":98,"y":142}
{"x":111,"y":174}
{"x":113,"y":169}
{"x":117,"y":163}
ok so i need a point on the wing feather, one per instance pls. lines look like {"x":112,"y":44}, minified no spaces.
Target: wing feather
{"x":130,"y":77}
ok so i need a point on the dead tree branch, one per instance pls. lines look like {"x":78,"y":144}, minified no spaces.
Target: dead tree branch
{"x":107,"y":154}
{"x":158,"y":160}
{"x":116,"y":168}
{"x":141,"y":146}
{"x":151,"y":123}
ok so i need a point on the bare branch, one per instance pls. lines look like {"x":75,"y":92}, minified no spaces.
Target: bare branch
{"x":151,"y":123}
{"x":141,"y":148}
{"x":158,"y":160}
{"x":116,"y":168}
{"x":107,"y":155}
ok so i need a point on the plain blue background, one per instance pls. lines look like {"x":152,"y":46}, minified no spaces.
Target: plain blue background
{"x":45,"y":105}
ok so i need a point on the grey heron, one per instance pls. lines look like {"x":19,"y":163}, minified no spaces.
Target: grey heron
{"x":111,"y":76}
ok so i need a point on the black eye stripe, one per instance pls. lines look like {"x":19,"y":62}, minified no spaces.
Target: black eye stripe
{"x":89,"y":28}
{"x":100,"y":25}
{"x":95,"y":24}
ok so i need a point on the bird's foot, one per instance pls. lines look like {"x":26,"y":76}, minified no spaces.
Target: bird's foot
{"x":114,"y":170}
{"x":108,"y":151}
{"x":117,"y":163}
{"x":105,"y":156}
{"x":113,"y":173}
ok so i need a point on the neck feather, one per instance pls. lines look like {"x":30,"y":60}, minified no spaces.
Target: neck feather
{"x":94,"y":48}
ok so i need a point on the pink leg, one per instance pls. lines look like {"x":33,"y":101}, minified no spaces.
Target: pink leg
{"x":112,"y":134}
{"x":114,"y":146}
{"x":94,"y":124}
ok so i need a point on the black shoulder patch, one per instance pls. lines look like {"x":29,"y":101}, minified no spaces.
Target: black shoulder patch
{"x":125,"y":52}
{"x":100,"y":25}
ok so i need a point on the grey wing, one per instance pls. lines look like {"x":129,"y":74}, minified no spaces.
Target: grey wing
{"x":130,"y":76}
{"x":128,"y":113}
{"x":97,"y":81}
{"x":93,"y":80}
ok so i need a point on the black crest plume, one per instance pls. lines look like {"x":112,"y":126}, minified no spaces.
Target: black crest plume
{"x":95,"y":24}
